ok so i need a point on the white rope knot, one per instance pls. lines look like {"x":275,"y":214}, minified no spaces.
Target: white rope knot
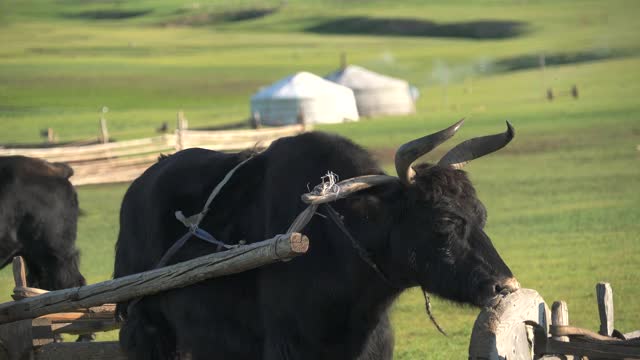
{"x":329,"y":185}
{"x":192,"y":222}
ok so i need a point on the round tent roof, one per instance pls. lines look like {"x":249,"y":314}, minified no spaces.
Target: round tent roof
{"x":299,"y":85}
{"x":316,"y":99}
{"x":356,"y":77}
{"x":376,"y":94}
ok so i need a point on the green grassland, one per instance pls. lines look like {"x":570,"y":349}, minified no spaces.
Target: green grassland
{"x":563,"y":200}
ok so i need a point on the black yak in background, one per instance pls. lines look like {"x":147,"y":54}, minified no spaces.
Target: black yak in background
{"x":38,"y":220}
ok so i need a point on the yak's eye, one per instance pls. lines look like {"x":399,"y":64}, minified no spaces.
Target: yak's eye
{"x":451,"y":225}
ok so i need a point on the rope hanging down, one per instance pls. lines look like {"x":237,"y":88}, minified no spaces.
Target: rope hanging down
{"x":330,"y":187}
{"x":427,"y":305}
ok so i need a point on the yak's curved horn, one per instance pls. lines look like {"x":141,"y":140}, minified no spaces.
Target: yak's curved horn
{"x":409,"y":152}
{"x":474,"y":148}
{"x":346,"y":188}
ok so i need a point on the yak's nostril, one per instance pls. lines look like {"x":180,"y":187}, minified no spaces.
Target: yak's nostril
{"x":506,"y":286}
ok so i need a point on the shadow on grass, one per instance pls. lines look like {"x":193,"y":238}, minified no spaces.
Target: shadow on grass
{"x":211,"y":18}
{"x":529,"y":61}
{"x":108,"y":14}
{"x":481,"y":29}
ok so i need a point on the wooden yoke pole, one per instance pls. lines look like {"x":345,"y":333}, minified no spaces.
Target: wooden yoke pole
{"x":279,"y":248}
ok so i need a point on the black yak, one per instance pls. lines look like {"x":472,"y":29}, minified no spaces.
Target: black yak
{"x":38,"y":220}
{"x":423,"y":228}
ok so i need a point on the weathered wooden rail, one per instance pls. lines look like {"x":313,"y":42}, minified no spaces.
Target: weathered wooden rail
{"x":125,"y":160}
{"x":28,"y":326}
{"x":521,"y":326}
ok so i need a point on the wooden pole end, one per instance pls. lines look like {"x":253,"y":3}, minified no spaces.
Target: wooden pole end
{"x":299,"y":243}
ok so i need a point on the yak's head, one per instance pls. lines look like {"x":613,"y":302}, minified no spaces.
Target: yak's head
{"x":440,"y":234}
{"x":438,"y":241}
{"x":434,"y":222}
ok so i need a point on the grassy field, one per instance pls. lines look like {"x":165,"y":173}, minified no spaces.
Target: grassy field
{"x":563,"y":200}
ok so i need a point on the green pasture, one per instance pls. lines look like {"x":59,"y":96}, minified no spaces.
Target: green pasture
{"x":563,"y":199}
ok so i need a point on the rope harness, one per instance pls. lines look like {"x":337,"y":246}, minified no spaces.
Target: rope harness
{"x":193,"y":225}
{"x":362,"y":252}
{"x":328,"y":186}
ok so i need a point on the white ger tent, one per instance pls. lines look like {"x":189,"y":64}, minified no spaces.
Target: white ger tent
{"x":304,"y":95}
{"x":376,"y":94}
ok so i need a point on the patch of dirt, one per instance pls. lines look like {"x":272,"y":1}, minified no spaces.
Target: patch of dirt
{"x":481,"y":29}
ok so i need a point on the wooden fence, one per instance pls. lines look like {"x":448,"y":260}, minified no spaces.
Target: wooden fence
{"x":29,"y":325}
{"x":125,"y":160}
{"x":520,"y":326}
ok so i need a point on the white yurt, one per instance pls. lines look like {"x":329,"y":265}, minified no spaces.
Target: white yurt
{"x":317,"y":100}
{"x":376,"y":94}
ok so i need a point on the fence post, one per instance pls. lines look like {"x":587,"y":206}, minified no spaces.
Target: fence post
{"x":17,"y":339}
{"x":51,"y":138}
{"x":560,"y":317}
{"x":19,"y":275}
{"x":181,"y":126}
{"x":500,"y":332}
{"x":104,"y":132}
{"x":604,"y":294}
{"x":256,"y":122}
{"x":19,"y":272}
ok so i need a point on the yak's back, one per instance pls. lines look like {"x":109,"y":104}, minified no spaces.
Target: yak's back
{"x":23,"y":166}
{"x":180,"y":182}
